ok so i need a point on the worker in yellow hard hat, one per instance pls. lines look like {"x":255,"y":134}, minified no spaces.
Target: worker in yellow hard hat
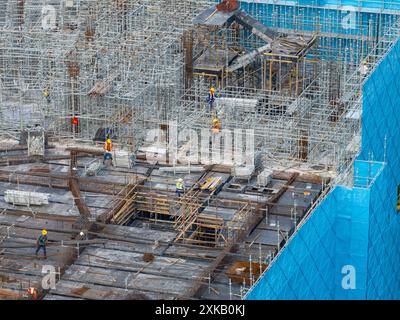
{"x":41,"y":243}
{"x":46,"y":95}
{"x":108,"y":145}
{"x":211,"y":98}
{"x":216,"y":125}
{"x":108,"y":158}
{"x":180,"y":187}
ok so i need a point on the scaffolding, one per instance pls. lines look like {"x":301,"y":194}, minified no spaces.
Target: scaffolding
{"x":184,"y":214}
{"x":115,"y":67}
{"x":304,"y":107}
{"x":288,"y":80}
{"x":126,"y":67}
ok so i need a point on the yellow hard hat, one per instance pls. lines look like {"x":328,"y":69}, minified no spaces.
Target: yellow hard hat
{"x":215,"y":120}
{"x":44,"y":232}
{"x":212,"y":89}
{"x":108,"y":140}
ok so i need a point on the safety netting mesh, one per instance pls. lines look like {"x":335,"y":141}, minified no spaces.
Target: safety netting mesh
{"x":381,"y":138}
{"x":357,"y":228}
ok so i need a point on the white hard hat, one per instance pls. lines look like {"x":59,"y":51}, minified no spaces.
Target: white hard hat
{"x":180,"y":180}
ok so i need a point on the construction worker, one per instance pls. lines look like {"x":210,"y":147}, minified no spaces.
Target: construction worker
{"x":211,"y":98}
{"x":46,"y":95}
{"x":107,"y":154}
{"x":41,"y":243}
{"x":75,"y":121}
{"x":108,"y":159}
{"x":108,"y":145}
{"x":180,"y":187}
{"x":216,"y":125}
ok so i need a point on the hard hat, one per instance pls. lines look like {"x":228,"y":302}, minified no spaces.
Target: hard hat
{"x":212,"y":89}
{"x":44,"y":232}
{"x":180,"y":180}
{"x":215,"y":120}
{"x":108,"y":140}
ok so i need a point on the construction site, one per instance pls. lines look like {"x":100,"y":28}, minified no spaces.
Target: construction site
{"x":109,"y":143}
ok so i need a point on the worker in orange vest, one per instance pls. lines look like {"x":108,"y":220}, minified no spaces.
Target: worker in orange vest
{"x":216,"y":126}
{"x":107,"y":154}
{"x":108,"y":145}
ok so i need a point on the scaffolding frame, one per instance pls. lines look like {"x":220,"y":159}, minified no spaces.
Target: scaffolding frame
{"x":127,"y":68}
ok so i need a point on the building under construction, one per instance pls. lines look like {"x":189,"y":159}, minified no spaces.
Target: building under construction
{"x":297,"y":189}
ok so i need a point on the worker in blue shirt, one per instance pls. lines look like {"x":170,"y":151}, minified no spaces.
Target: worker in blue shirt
{"x":211,"y":98}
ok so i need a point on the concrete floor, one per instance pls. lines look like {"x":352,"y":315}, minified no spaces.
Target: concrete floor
{"x":116,"y":267}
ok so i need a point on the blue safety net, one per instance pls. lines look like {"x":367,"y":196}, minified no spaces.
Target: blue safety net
{"x":348,"y":247}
